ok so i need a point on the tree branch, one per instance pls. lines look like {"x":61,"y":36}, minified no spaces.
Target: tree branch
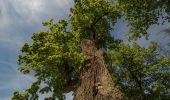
{"x":95,"y":22}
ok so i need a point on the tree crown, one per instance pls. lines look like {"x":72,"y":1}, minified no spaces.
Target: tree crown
{"x":55,"y":54}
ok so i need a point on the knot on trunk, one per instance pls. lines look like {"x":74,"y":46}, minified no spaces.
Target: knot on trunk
{"x":95,"y":81}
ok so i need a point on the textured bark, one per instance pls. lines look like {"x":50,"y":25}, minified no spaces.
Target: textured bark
{"x":95,"y":80}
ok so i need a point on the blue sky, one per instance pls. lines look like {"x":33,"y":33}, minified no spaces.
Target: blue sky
{"x":18,"y":20}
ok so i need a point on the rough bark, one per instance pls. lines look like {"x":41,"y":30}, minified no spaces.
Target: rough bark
{"x":95,"y":80}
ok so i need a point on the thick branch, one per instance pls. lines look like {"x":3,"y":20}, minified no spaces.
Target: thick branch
{"x":95,"y":22}
{"x":94,"y":34}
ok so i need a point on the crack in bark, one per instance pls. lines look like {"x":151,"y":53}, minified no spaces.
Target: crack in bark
{"x":95,"y":81}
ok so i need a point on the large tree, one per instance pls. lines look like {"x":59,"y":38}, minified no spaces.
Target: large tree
{"x":81,"y":55}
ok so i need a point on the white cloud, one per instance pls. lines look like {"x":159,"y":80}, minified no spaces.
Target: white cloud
{"x":16,"y":16}
{"x":18,"y":19}
{"x":34,"y":10}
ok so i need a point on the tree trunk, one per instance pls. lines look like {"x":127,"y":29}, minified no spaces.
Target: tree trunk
{"x":95,"y":80}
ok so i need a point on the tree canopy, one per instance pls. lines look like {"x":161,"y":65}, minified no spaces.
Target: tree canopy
{"x":55,"y":57}
{"x":141,"y":71}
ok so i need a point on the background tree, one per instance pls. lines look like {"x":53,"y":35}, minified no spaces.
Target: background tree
{"x":72,"y":58}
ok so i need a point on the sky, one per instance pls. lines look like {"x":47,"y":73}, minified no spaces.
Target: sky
{"x":18,"y":20}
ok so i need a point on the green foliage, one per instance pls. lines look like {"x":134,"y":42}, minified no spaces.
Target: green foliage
{"x":141,"y":14}
{"x":93,"y":16}
{"x":89,"y":16}
{"x":55,"y":56}
{"x":18,"y":96}
{"x":142,"y":72}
